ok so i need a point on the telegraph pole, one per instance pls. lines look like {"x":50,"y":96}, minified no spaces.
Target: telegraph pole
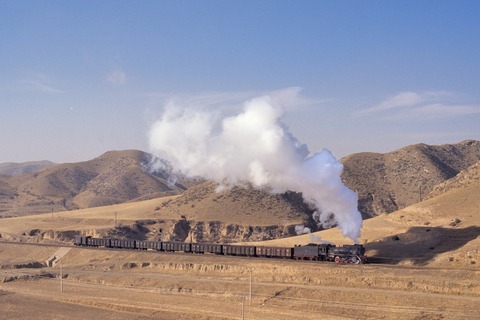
{"x":243,"y":307}
{"x":61,"y":276}
{"x":250,"y":287}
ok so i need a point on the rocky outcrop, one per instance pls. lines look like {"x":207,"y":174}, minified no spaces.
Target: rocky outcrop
{"x":395,"y":180}
{"x":221,"y":232}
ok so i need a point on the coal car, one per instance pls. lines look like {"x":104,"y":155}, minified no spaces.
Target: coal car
{"x":311,"y":251}
{"x":232,"y":250}
{"x":274,"y":252}
{"x":207,"y":248}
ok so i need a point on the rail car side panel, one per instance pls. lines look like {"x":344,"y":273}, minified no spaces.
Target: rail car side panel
{"x":274,"y":252}
{"x":176,"y":246}
{"x":98,"y":242}
{"x":239,"y":250}
{"x":148,"y":245}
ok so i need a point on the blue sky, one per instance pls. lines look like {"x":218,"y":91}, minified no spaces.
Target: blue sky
{"x":79,"y":78}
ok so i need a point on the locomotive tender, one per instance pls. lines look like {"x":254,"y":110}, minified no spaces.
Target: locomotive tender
{"x":317,"y":252}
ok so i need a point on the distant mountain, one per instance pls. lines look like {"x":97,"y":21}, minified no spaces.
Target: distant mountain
{"x":114,"y":177}
{"x":13,"y":168}
{"x":391,"y":181}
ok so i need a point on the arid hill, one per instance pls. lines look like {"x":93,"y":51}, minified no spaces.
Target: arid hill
{"x":384,"y":182}
{"x":236,"y":214}
{"x":391,"y":181}
{"x":114,"y":177}
{"x":441,"y":231}
{"x":200,"y":214}
{"x":13,"y":168}
{"x":461,"y":181}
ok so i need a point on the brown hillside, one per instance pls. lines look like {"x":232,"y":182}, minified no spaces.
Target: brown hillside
{"x":239,"y":204}
{"x":395,"y":180}
{"x":200,"y":215}
{"x":236,"y":214}
{"x":424,"y":260}
{"x":442,"y":231}
{"x":466,"y":177}
{"x":114,"y":177}
{"x":384,"y":182}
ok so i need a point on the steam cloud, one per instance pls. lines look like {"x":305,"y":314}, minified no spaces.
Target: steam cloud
{"x":255,"y":147}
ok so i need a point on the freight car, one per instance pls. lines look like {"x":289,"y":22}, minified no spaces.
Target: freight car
{"x":148,"y":245}
{"x":230,"y":250}
{"x":316,"y":252}
{"x":176,"y":246}
{"x":274,"y":252}
{"x":122,"y":244}
{"x":98,"y":242}
{"x":312,"y":252}
{"x":207,"y":248}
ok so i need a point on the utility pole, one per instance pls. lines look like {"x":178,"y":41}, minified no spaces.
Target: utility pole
{"x":243,"y":307}
{"x":115,"y":219}
{"x":61,"y":276}
{"x":250,"y":287}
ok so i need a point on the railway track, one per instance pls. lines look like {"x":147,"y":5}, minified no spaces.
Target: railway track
{"x":376,"y":261}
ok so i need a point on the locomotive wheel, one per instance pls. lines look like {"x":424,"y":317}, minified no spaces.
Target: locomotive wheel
{"x":337,"y":259}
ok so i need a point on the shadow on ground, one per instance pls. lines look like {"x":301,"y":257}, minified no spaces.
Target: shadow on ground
{"x":420,"y":244}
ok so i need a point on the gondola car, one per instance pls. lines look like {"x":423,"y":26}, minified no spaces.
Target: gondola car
{"x":232,"y":250}
{"x":274,"y":252}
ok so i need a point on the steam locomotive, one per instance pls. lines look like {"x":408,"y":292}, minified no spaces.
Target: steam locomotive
{"x":315,"y":252}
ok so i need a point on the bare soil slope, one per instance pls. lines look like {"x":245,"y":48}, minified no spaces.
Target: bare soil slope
{"x":200,"y":214}
{"x":384,"y":182}
{"x":391,"y":181}
{"x":443,"y":230}
{"x":115,"y":177}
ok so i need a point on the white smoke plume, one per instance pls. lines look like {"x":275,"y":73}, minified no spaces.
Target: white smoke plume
{"x":255,"y":147}
{"x":301,"y":229}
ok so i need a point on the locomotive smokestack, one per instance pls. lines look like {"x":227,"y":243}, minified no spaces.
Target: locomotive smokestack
{"x":256,"y":147}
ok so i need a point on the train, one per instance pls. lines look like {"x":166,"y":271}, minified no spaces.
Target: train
{"x":314,"y":252}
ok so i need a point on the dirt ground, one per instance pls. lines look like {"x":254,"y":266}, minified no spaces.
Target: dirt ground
{"x":121,"y":284}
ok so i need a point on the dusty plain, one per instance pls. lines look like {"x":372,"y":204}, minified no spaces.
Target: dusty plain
{"x":120,"y":284}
